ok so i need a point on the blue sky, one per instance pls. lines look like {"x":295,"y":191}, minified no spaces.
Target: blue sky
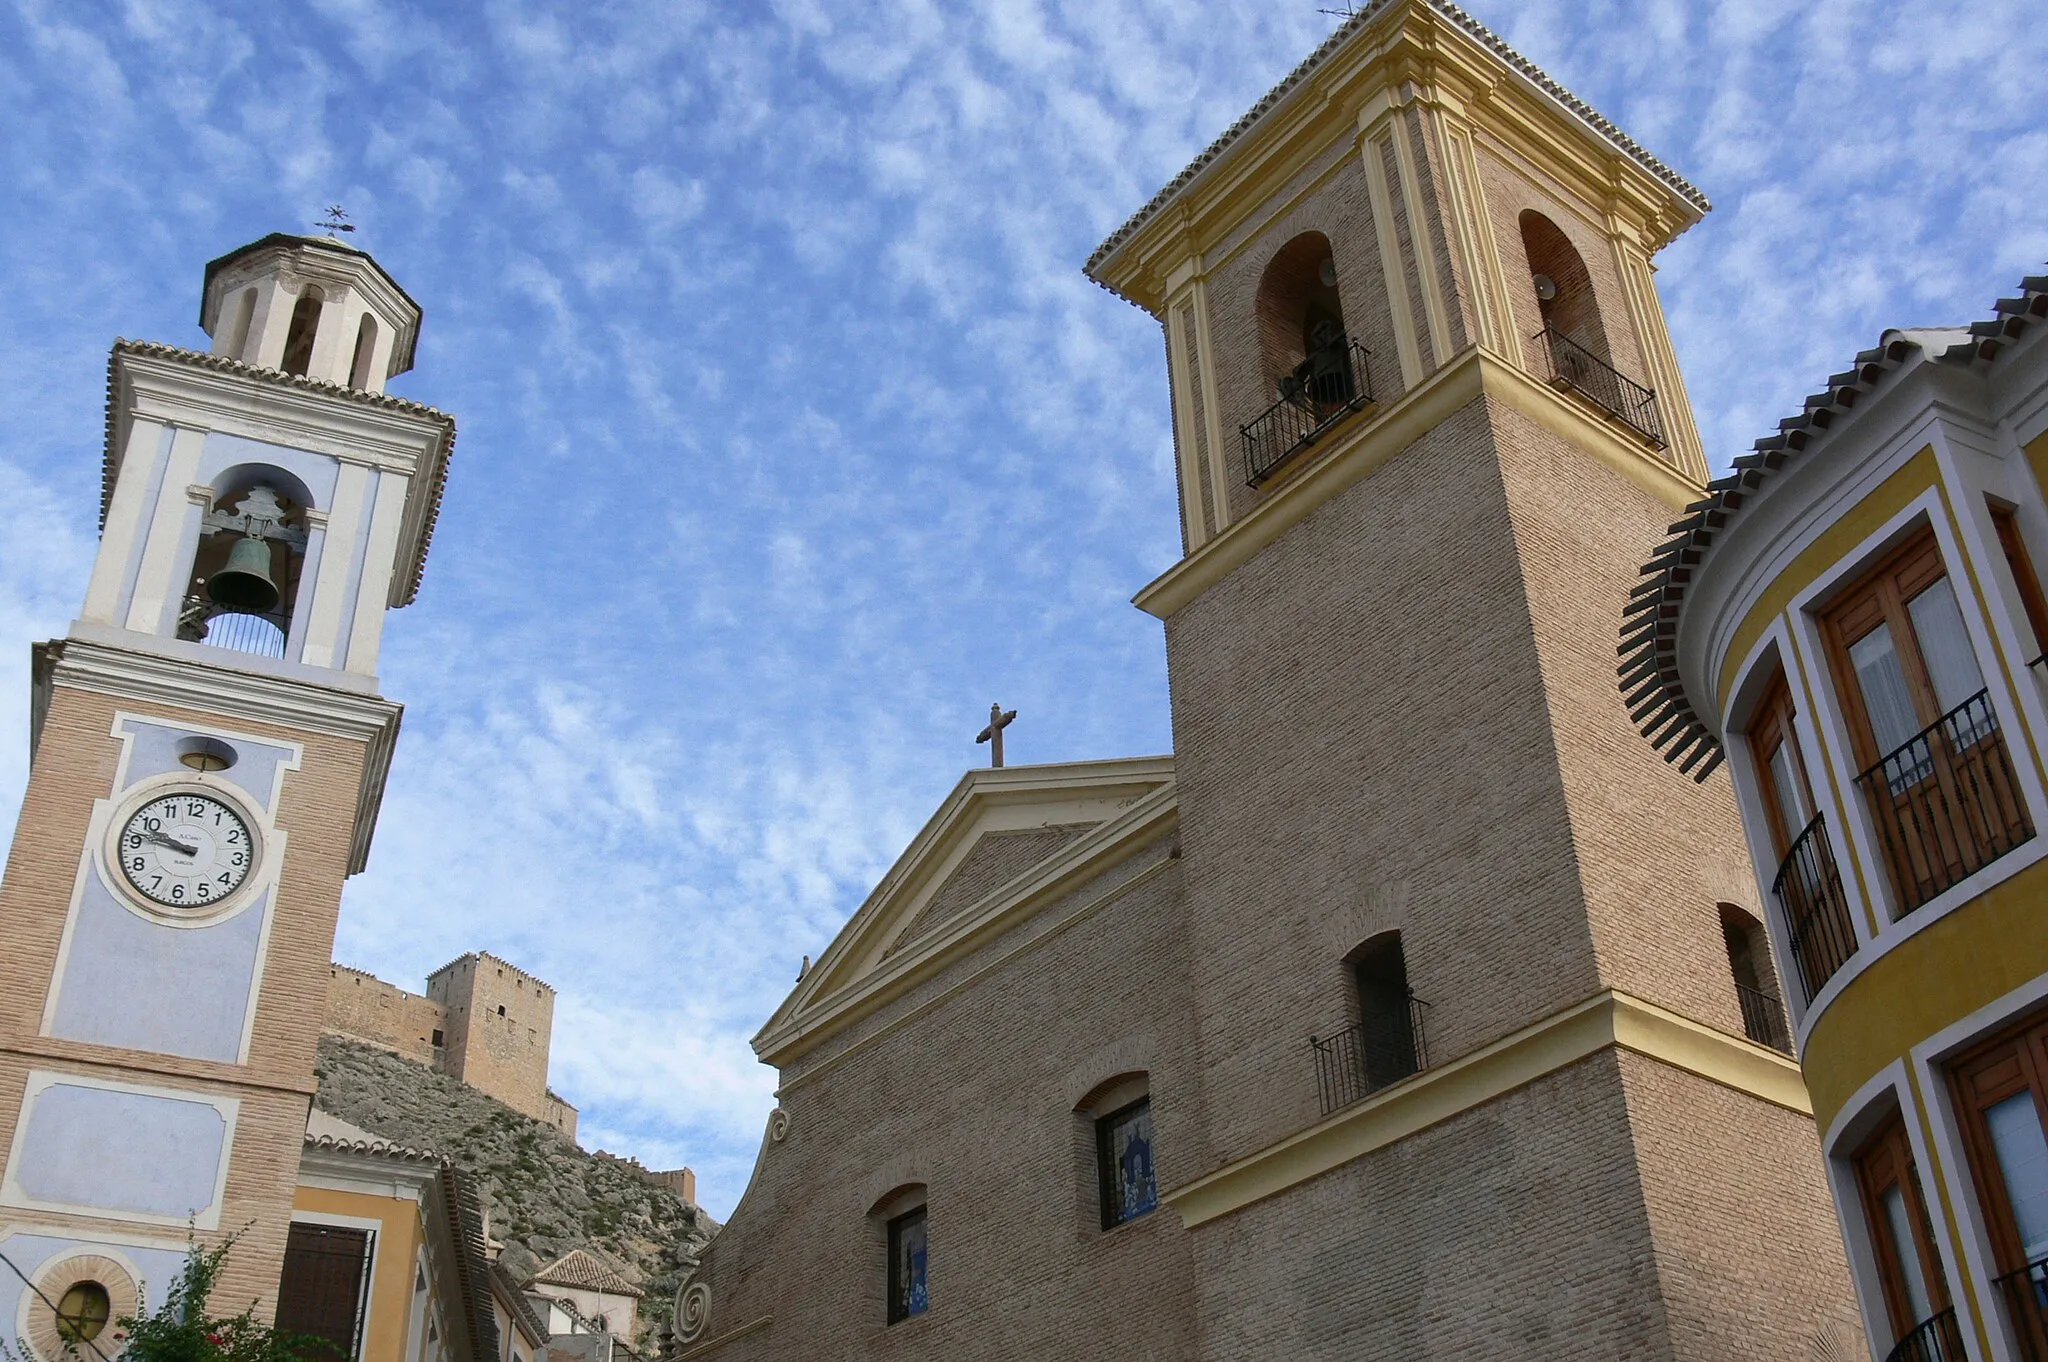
{"x":791,"y":434}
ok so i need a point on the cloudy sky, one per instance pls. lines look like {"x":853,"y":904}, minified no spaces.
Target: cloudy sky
{"x":791,"y":435}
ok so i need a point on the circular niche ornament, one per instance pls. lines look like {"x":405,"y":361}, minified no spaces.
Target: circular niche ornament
{"x":90,"y":1292}
{"x":693,"y":1311}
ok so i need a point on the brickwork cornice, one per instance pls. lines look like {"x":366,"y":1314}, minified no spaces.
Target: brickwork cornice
{"x":1609,"y":1020}
{"x":137,"y":1066}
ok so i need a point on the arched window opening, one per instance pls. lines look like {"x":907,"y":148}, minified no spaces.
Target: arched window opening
{"x":901,"y":1215}
{"x":1564,"y":287}
{"x":1118,"y":1118}
{"x":1314,"y":372}
{"x":1385,"y":1044}
{"x":1756,"y":983}
{"x":245,"y":573}
{"x":366,"y":346}
{"x":237,"y":339}
{"x":298,"y":339}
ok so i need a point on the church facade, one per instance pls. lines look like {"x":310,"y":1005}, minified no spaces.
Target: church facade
{"x":1413,"y":1008}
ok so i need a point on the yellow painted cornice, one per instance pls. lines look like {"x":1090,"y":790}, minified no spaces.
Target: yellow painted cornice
{"x":1609,"y":1020}
{"x":1377,"y":436}
{"x":1411,"y":53}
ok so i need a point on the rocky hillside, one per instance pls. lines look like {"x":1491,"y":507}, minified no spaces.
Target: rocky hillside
{"x":544,"y":1196}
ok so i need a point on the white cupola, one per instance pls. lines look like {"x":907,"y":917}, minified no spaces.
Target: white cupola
{"x":311,"y":307}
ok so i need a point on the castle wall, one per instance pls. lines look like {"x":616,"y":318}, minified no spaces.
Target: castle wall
{"x":499,"y":1023}
{"x":364,"y":1007}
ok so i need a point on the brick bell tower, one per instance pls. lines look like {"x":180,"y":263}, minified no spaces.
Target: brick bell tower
{"x":209,"y":752}
{"x":1428,"y":422}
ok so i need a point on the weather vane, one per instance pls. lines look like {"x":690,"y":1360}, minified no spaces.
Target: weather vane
{"x":1348,"y":12}
{"x":336,"y":220}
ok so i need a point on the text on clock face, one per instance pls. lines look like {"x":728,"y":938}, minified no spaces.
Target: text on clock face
{"x":186,"y":850}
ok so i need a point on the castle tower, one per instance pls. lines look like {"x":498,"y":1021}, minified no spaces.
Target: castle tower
{"x":209,"y":753}
{"x":1428,"y":424}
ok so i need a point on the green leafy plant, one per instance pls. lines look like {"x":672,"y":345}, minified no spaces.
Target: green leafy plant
{"x":182,"y":1330}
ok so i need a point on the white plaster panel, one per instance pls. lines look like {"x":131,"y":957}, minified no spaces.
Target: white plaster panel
{"x":131,"y":981}
{"x":359,"y":548}
{"x":317,"y":471}
{"x":332,"y":591}
{"x":152,"y":750}
{"x":135,"y":490}
{"x":147,"y":1154}
{"x":374,"y":567}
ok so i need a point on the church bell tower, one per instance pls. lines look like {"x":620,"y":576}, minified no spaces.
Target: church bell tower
{"x":209,"y":753}
{"x":1428,"y":422}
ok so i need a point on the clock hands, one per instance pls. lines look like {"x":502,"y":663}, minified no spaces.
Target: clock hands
{"x":160,"y":840}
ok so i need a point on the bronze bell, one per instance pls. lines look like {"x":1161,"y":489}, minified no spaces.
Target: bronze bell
{"x":244,"y":583}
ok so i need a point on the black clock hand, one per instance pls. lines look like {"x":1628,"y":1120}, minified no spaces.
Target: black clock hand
{"x":164,"y":841}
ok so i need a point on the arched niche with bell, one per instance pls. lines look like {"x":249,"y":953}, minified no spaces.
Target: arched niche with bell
{"x":249,"y":562}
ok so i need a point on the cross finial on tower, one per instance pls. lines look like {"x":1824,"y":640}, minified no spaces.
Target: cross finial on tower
{"x":334,"y":220}
{"x":998,"y":720}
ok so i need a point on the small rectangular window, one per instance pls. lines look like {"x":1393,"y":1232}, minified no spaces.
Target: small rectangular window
{"x":908,"y":1292}
{"x":1123,"y":1154}
{"x":437,"y":1039}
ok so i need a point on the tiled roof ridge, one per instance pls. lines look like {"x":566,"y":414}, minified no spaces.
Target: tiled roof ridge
{"x":200,"y":359}
{"x":1648,"y":672}
{"x":379,"y":1147}
{"x":1485,"y":36}
{"x":580,"y":1267}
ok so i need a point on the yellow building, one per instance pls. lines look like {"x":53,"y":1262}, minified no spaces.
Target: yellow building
{"x":1854,"y":620}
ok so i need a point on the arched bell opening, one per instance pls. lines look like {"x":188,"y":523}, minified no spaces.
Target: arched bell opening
{"x":1302,"y":340}
{"x":304,"y":329}
{"x":235,"y":345}
{"x":246,"y":569}
{"x":1563,"y":286}
{"x":366,"y":349}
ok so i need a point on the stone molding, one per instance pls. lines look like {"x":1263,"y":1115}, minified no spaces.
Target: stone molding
{"x":127,"y":674}
{"x":1608,"y":1020}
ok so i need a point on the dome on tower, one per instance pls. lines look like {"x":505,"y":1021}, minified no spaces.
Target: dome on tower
{"x":310,"y":306}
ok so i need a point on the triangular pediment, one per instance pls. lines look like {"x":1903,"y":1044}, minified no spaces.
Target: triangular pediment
{"x":1003,"y":837}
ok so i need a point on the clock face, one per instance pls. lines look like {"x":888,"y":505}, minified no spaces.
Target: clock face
{"x":186,"y":851}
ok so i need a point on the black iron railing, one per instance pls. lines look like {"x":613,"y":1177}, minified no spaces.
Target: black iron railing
{"x":1763,"y":1018}
{"x":1946,"y":802}
{"x":241,"y":631}
{"x":1323,"y":389}
{"x":1937,"y":1339}
{"x":1362,"y":1059}
{"x":2040,"y":666}
{"x":2026,"y":1308}
{"x":1809,"y":889}
{"x":1571,"y":366}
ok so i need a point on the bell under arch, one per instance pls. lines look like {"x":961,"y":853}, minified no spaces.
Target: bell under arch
{"x":1299,"y":309}
{"x":243,"y":588}
{"x":1563,"y":285}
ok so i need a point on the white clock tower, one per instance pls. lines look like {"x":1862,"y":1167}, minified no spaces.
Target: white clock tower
{"x":209,"y":752}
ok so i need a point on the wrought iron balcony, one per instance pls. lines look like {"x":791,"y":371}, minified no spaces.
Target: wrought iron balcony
{"x":1763,"y":1018}
{"x":1361,"y":1059}
{"x":1571,"y":367}
{"x":241,"y":631}
{"x":2026,"y":1308}
{"x":1809,"y":889}
{"x":1323,"y":389}
{"x":1937,"y":1339}
{"x":1946,"y":802}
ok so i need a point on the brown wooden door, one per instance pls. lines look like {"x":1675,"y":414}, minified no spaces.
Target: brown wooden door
{"x":2001,"y":1096}
{"x":1900,"y":1232}
{"x":321,"y":1293}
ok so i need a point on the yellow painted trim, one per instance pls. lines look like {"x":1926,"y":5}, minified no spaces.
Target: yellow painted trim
{"x":711,"y":1345}
{"x":1833,"y":544}
{"x":1572,"y":419}
{"x":1375,"y":438}
{"x":1381,"y":435}
{"x":1659,"y":358}
{"x":1474,"y":224}
{"x":1607,"y":1020}
{"x":1968,"y":959}
{"x":398,"y":1248}
{"x":1407,"y":345}
{"x":1418,"y":236}
{"x":2037,"y":458}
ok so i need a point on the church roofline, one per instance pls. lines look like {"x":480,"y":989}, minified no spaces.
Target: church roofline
{"x":1651,"y":685}
{"x":1291,"y":87}
{"x":435,"y":472}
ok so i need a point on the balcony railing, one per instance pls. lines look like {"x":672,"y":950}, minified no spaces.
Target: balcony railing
{"x":1362,"y":1059}
{"x":1571,"y":367}
{"x":1946,"y":802}
{"x":1763,"y":1018}
{"x":1323,"y":389}
{"x":241,"y":631}
{"x":1937,"y":1339}
{"x":1809,"y":889}
{"x":2026,"y":1308}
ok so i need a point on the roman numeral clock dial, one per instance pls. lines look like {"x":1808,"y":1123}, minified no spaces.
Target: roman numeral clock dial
{"x":186,"y":851}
